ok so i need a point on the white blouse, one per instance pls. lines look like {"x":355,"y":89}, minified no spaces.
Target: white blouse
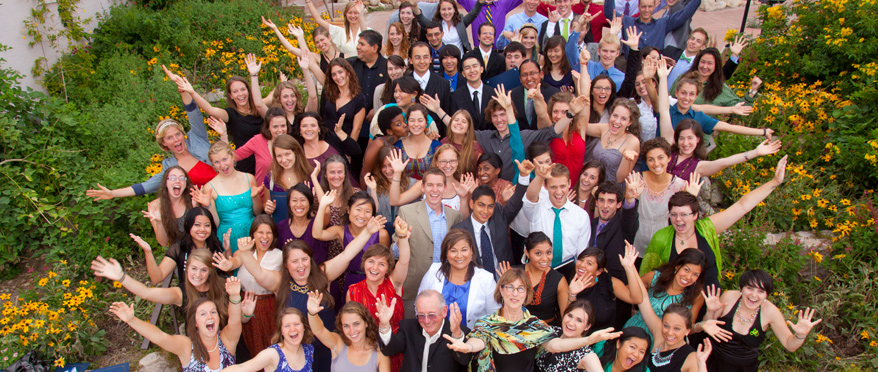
{"x":451,"y":37}
{"x":271,"y":261}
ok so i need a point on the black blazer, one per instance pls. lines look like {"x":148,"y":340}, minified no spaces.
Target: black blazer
{"x":673,"y":52}
{"x":623,"y":226}
{"x":438,"y":86}
{"x":463,"y":100}
{"x":518,"y":95}
{"x":496,"y":62}
{"x":544,"y":27}
{"x":409,"y":339}
{"x":499,"y":226}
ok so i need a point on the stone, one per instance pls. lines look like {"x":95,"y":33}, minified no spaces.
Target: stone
{"x":156,"y":362}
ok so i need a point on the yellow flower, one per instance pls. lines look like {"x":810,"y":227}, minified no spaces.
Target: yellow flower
{"x":873,"y":344}
{"x":864,"y":334}
{"x":63,"y":262}
{"x":42,"y":282}
{"x":816,"y":256}
{"x":117,"y":285}
{"x":52,"y":274}
{"x":845,"y":202}
{"x":59,"y":362}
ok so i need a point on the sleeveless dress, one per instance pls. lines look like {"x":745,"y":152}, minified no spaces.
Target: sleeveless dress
{"x":342,"y":364}
{"x":611,"y":158}
{"x":653,"y":212}
{"x":354,"y":273}
{"x":545,"y":302}
{"x":742,"y":352}
{"x":416,"y":167}
{"x":201,"y":173}
{"x":236,"y":213}
{"x":561,"y":362}
{"x":669,"y":361}
{"x":298,"y":298}
{"x":284,"y":366}
{"x":226,"y":359}
{"x":659,"y":304}
{"x":324,"y":62}
{"x":570,"y":153}
{"x":566,"y":80}
{"x":359,"y":292}
{"x":284,"y":234}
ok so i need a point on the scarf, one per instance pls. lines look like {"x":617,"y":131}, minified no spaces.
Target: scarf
{"x":506,"y":337}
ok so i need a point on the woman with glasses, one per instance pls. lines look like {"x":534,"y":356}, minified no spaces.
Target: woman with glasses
{"x":511,"y":338}
{"x":166,"y":212}
{"x":688,"y":231}
{"x":447,"y":159}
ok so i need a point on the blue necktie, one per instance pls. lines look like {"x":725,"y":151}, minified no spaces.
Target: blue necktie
{"x":487,"y":251}
{"x":600,"y":227}
{"x":557,"y":239}
{"x":604,"y":72}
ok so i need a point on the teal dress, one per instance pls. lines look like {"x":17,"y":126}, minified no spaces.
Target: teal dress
{"x":236,"y":213}
{"x":659,"y":304}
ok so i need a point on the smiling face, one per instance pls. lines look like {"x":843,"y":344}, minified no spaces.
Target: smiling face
{"x":588,"y":180}
{"x":376,"y":268}
{"x":608,"y":53}
{"x":322,"y":42}
{"x":403,"y":99}
{"x":686,"y":94}
{"x":300,"y":205}
{"x":574,"y":323}
{"x":197,"y":273}
{"x":394,"y":71}
{"x":696,"y":42}
{"x":293,"y":329}
{"x":309,"y":129}
{"x":459,"y":124}
{"x":500,"y":121}
{"x":706,"y":66}
{"x":353,"y":15}
{"x":657,"y":161}
{"x":176,"y":183}
{"x":277,"y":126}
{"x":354,"y":327}
{"x":447,"y":161}
{"x":528,"y":38}
{"x":387,"y":168}
{"x":449,"y":65}
{"x":558,"y":187}
{"x":286,"y":158}
{"x":486,"y":37}
{"x":601,"y":91}
{"x":543,"y":159}
{"x":433,"y":187}
{"x":368,"y":52}
{"x":687,"y":275}
{"x":488,"y":175}
{"x":630,"y":352}
{"x":607,"y":206}
{"x":299,"y":266}
{"x":640,"y":86}
{"x":559,"y":111}
{"x":530,"y":6}
{"x":394,"y":36}
{"x":529,"y":74}
{"x":335,"y":175}
{"x":207,"y":319}
{"x":687,"y":142}
{"x":472,"y":70}
{"x":587,"y":266}
{"x":360,"y":213}
{"x":620,"y":119}
{"x":421,"y":58}
{"x":460,"y":255}
{"x":483,"y":208}
{"x":646,"y":8}
{"x":555,"y":54}
{"x":240,"y":95}
{"x":406,"y":16}
{"x":564,"y":7}
{"x":174,"y":140}
{"x":446,"y":11}
{"x":417,"y":122}
{"x":288,"y":100}
{"x":339,"y":76}
{"x":223,"y":162}
{"x":683,"y":219}
{"x":540,"y":257}
{"x":753,"y":297}
{"x":515,"y":297}
{"x":200,"y":230}
{"x":430,"y":313}
{"x":264,"y":237}
{"x":674,"y":329}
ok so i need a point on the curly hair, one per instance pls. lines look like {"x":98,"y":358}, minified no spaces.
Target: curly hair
{"x":356,"y":308}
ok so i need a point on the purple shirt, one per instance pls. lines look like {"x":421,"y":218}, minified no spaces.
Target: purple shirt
{"x":498,"y":15}
{"x":319,"y":248}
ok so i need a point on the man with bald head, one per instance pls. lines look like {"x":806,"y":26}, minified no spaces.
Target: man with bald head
{"x":421,"y":339}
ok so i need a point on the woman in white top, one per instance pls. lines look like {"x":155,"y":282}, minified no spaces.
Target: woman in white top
{"x":460,"y":280}
{"x":345,"y":39}
{"x":453,"y":25}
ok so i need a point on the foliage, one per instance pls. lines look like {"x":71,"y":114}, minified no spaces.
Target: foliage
{"x":56,"y":314}
{"x":43,"y":28}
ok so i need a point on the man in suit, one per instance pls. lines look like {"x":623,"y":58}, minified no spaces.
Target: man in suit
{"x":615,"y":223}
{"x":431,"y":83}
{"x":531,"y":113}
{"x":489,"y":221}
{"x":420,"y":340}
{"x":514,"y":54}
{"x":475,"y":95}
{"x":449,"y":56}
{"x":492,"y":59}
{"x":430,"y":221}
{"x":560,"y":23}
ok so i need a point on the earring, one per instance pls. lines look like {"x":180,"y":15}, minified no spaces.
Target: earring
{"x":413,"y":99}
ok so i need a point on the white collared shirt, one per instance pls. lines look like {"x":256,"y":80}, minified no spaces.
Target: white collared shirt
{"x":575,"y":224}
{"x":480,"y":89}
{"x":430,"y":340}
{"x":422,"y":80}
{"x":550,"y":28}
{"x":477,"y":231}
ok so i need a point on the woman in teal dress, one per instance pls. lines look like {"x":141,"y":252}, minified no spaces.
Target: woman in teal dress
{"x":679,"y":281}
{"x":232,"y":196}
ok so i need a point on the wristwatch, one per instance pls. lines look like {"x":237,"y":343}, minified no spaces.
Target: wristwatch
{"x":570,"y":115}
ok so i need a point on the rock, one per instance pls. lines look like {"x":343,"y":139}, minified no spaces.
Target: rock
{"x":807,"y":239}
{"x":156,"y":362}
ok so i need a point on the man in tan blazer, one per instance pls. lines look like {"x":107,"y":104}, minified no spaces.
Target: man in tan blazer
{"x":430,"y":221}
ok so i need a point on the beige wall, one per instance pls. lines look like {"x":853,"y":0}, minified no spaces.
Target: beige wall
{"x":21,"y":57}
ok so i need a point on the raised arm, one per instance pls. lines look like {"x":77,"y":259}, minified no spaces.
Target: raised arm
{"x":633,"y":292}
{"x":725,"y":219}
{"x":793,"y":339}
{"x":268,"y":279}
{"x":540,"y":107}
{"x":626,"y":89}
{"x":723,"y":126}
{"x":331,"y":339}
{"x":395,"y":195}
{"x":253,"y":68}
{"x":319,"y":232}
{"x":113,"y":270}
{"x":708,"y":168}
{"x":157,"y":273}
{"x":653,"y":322}
{"x":310,"y":87}
{"x":316,"y":16}
{"x":183,"y":85}
{"x":231,"y":333}
{"x":283,"y":39}
{"x":400,"y":271}
{"x":663,"y":104}
{"x":153,"y":213}
{"x":533,"y":190}
{"x":336,"y":266}
{"x":179,"y":345}
{"x":575,"y":108}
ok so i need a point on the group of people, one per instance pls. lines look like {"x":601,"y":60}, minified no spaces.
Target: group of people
{"x":523,"y":200}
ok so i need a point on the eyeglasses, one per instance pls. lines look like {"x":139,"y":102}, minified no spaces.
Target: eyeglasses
{"x":177,"y":178}
{"x":430,"y":316}
{"x":680,"y":215}
{"x":529,"y":74}
{"x":447,"y":162}
{"x":602,"y":89}
{"x":511,"y":289}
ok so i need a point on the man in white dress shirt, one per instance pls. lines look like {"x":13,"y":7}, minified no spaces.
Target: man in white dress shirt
{"x":566,"y":224}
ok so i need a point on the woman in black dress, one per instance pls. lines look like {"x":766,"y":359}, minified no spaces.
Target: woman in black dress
{"x":551,"y":290}
{"x":602,"y":290}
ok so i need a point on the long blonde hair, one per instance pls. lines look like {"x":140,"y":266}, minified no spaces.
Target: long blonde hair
{"x":466,"y":154}
{"x":404,"y":45}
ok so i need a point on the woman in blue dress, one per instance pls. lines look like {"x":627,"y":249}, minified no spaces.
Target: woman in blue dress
{"x":292,"y":351}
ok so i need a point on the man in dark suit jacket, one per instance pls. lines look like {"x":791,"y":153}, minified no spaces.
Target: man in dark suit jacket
{"x":496,"y":62}
{"x":462,"y":98}
{"x":432,"y":83}
{"x":554,"y":26}
{"x":530,"y":75}
{"x":425,"y":332}
{"x":495,"y":219}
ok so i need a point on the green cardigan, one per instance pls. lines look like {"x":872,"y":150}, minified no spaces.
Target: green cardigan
{"x":659,"y":250}
{"x":726,"y":98}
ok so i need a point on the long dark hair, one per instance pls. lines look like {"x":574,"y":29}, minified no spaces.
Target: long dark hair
{"x":331,"y":90}
{"x":634,"y":114}
{"x":716,"y":80}
{"x":347,"y":189}
{"x":454,"y":236}
{"x":455,"y":18}
{"x":199,"y":351}
{"x":278,"y":337}
{"x":700,"y":151}
{"x":602,"y":175}
{"x":169,"y":220}
{"x":556,"y":42}
{"x":317,"y":280}
{"x":355,"y":197}
{"x":627,"y":334}
{"x":231,"y":102}
{"x":415,"y":32}
{"x":596,"y":116}
{"x":216,"y":291}
{"x":264,"y":219}
{"x":356,"y":308}
{"x":669,"y":270}
{"x":387,"y":94}
{"x":297,"y":126}
{"x":186,"y":244}
{"x":303,"y":189}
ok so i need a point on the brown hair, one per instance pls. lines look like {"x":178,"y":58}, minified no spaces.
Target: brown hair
{"x":381,"y":251}
{"x":494,"y":106}
{"x":682,"y":311}
{"x":302,"y":166}
{"x":231,"y":102}
{"x":466,"y":153}
{"x":278,"y":91}
{"x":332,"y":90}
{"x":169,"y":220}
{"x":655,"y":143}
{"x":589,"y":311}
{"x":689,"y":78}
{"x":264,"y":219}
{"x":162,"y":127}
{"x":564,"y":97}
{"x":602,"y":174}
{"x":317,"y":280}
{"x":510,"y":276}
{"x":216,"y":291}
{"x":433,"y":171}
{"x":270,"y":114}
{"x":634,"y":114}
{"x":346,"y":188}
{"x":356,"y":308}
{"x":559,"y":170}
{"x":453,"y":237}
{"x":684,"y":199}
{"x":381,"y":181}
{"x":199,"y":351}
{"x":669,"y":270}
{"x":695,"y":126}
{"x":404,"y":45}
{"x":556,"y":41}
{"x":455,"y":18}
{"x":278,"y":338}
{"x":442,"y":148}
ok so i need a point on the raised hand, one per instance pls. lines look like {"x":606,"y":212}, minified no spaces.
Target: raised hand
{"x":245,"y":243}
{"x":227,"y":240}
{"x":662,"y":70}
{"x":633,"y":40}
{"x":711,"y":327}
{"x":296,"y":31}
{"x":781,"y":169}
{"x":584,"y":57}
{"x":543,"y":170}
{"x":218,"y":125}
{"x":703,"y":353}
{"x":383,"y":311}
{"x":567,"y":88}
{"x":396,"y":161}
{"x":253,"y":66}
{"x":738,"y":45}
{"x":630,"y":256}
{"x":171,"y":76}
{"x":616,"y":25}
{"x":695,"y":182}
{"x":571,"y":195}
{"x":605,"y":334}
{"x":153,"y":213}
{"x":375,"y":224}
{"x":535,"y":93}
{"x":741,"y":109}
{"x":633,"y":186}
{"x":503,"y":267}
{"x":455,"y":318}
{"x":248,"y":303}
{"x":269,"y":206}
{"x":581,"y":283}
{"x":102,"y":193}
{"x":283,"y":77}
{"x":712,"y":299}
{"x":524,"y":167}
{"x":458,"y":345}
{"x":221,"y":262}
{"x":370,"y":182}
{"x":432,"y":103}
{"x":108,"y":269}
{"x":507,"y":193}
{"x":314,"y":300}
{"x":140,"y":242}
{"x":403,"y":230}
{"x":268,"y":23}
{"x":200,"y":195}
{"x":804,"y":325}
{"x":579,"y":103}
{"x":338,"y":127}
{"x":184,"y":86}
{"x":554,"y":16}
{"x":516,"y":36}
{"x":316,"y":172}
{"x":503,"y":97}
{"x":233,"y":286}
{"x":631,"y":155}
{"x":466,"y":185}
{"x":649,"y":68}
{"x":328,"y":198}
{"x":755,"y":83}
{"x":768,"y":148}
{"x":122,"y":311}
{"x":576,"y":75}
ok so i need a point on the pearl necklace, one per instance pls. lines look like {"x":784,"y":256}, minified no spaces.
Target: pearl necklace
{"x":744,"y":321}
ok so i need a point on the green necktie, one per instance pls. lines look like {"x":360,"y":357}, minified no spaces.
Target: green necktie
{"x":557,"y":239}
{"x":564,"y":29}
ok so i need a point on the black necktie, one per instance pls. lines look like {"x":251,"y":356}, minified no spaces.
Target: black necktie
{"x":487,"y":251}
{"x":476,"y":102}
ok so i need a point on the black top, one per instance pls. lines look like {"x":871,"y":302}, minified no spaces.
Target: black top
{"x":331,"y":113}
{"x":545,"y":303}
{"x":561,"y":362}
{"x":174,"y":253}
{"x":742,"y":352}
{"x":710,"y":274}
{"x":522,"y":361}
{"x":369,"y":78}
{"x":242,"y":128}
{"x":678,"y":358}
{"x":603,"y":301}
{"x":324,"y":62}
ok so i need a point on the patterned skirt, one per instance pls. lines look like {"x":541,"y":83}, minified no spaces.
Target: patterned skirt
{"x":258,"y":331}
